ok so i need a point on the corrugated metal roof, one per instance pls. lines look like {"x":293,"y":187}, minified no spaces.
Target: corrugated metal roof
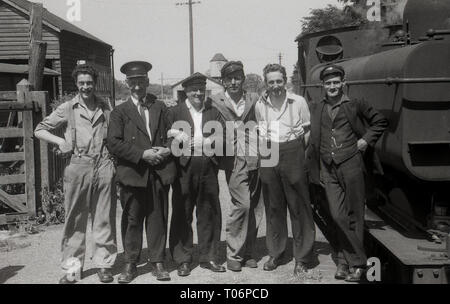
{"x":56,"y":21}
{"x":22,"y":69}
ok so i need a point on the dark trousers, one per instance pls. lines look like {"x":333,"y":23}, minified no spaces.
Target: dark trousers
{"x":345,"y":191}
{"x":144,"y":206}
{"x":285,"y":186}
{"x":198,"y":187}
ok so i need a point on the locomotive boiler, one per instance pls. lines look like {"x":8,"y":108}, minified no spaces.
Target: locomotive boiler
{"x":403,"y":70}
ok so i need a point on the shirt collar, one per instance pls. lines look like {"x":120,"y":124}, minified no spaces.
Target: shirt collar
{"x":99,"y":102}
{"x":240,"y":101}
{"x":344,"y":98}
{"x":191,"y":107}
{"x":266,"y":99}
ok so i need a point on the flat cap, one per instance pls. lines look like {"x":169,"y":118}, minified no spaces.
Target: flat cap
{"x":331,"y":70}
{"x":194,"y":79}
{"x":231,"y":67}
{"x":136,"y":69}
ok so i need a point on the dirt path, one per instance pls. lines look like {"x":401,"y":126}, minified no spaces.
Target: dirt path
{"x":38,"y":262}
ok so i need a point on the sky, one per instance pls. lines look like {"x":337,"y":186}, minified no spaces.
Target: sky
{"x":157,"y":31}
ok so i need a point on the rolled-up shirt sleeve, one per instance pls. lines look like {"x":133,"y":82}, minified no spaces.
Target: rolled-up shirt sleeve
{"x":305,"y":115}
{"x":55,"y":120}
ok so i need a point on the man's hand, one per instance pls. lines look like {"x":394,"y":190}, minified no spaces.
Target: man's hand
{"x":362,"y":145}
{"x":64,"y":149}
{"x":162,"y":151}
{"x":152,"y":157}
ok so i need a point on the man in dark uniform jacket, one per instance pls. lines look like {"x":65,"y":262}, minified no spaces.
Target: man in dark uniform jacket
{"x":339,"y":139}
{"x":197,"y":185}
{"x":145,"y":170}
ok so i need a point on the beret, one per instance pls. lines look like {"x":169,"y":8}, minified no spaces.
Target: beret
{"x":331,"y":70}
{"x":136,"y":69}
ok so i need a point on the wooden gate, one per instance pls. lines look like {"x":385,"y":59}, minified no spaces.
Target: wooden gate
{"x":20,"y":150}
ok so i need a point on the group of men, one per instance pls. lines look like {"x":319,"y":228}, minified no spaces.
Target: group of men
{"x":324,"y":146}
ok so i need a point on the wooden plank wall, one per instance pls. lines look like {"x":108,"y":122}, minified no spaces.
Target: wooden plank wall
{"x":14,"y":35}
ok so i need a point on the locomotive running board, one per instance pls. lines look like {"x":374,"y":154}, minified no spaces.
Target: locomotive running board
{"x":416,"y":266}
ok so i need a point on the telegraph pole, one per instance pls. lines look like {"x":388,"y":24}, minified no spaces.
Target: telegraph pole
{"x":280,"y":56}
{"x":191,"y":31}
{"x":162,"y":86}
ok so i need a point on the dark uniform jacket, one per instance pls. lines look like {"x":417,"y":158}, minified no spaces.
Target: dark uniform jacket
{"x":224,"y":106}
{"x":365,"y":121}
{"x":128,"y":139}
{"x":181,"y":113}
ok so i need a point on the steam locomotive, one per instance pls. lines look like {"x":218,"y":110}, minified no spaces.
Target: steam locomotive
{"x":403,"y":70}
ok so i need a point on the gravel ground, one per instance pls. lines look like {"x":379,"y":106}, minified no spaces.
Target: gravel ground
{"x":34,"y":259}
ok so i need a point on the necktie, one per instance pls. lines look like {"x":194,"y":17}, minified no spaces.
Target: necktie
{"x":142,"y":113}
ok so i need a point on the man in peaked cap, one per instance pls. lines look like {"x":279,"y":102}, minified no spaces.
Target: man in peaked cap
{"x":197,"y":185}
{"x":339,"y":142}
{"x":145,"y":170}
{"x":241,"y":169}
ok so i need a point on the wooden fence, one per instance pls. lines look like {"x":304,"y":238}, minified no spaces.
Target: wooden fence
{"x":35,"y":166}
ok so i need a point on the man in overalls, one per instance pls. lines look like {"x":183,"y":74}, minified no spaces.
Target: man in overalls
{"x":89,"y":186}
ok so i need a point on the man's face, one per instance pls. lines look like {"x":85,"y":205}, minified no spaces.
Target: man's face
{"x":333,"y":86}
{"x":196,"y":93}
{"x":234,"y":82}
{"x":85,"y":84}
{"x":138,"y":86}
{"x":275,"y":83}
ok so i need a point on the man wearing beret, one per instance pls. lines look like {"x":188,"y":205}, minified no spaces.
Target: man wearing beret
{"x":145,"y":170}
{"x":339,"y":139}
{"x":241,"y":170}
{"x":197,"y":185}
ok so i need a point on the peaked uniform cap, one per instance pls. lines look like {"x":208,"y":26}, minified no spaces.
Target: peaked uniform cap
{"x":194,"y":79}
{"x":231,"y":67}
{"x":331,"y":70}
{"x":136,"y":69}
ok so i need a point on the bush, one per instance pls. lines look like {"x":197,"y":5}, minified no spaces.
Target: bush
{"x":52,"y":212}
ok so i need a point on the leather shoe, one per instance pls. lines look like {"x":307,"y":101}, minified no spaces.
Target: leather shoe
{"x":271,"y":264}
{"x":105,"y":275}
{"x":65,"y":280}
{"x":234,"y":265}
{"x":356,"y":276}
{"x":300,"y":268}
{"x":160,"y":272}
{"x":211,"y":265}
{"x":128,"y":274}
{"x":184,"y":270}
{"x":251,"y":263}
{"x":341,"y":272}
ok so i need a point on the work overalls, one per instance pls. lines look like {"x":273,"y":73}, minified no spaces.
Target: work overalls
{"x":89,"y":188}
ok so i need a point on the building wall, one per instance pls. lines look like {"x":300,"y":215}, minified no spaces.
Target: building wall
{"x":14,"y":35}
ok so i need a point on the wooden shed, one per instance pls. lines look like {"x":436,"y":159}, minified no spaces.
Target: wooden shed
{"x":66,"y":44}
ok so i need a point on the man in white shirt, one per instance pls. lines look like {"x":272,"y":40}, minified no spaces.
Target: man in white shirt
{"x":197,"y":185}
{"x":284,"y":120}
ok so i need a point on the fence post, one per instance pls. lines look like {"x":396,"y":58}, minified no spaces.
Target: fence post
{"x":43,"y":165}
{"x":24,"y":95}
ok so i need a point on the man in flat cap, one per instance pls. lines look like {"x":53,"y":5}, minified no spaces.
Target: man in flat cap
{"x":339,"y":141}
{"x":197,"y":185}
{"x":241,"y":170}
{"x":145,"y":170}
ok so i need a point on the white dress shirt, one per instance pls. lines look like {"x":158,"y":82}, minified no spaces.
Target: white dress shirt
{"x":147,"y":116}
{"x":238,"y":107}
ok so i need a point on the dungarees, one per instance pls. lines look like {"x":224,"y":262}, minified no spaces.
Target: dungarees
{"x":89,"y":188}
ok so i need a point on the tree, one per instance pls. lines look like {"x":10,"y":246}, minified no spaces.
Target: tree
{"x":254,"y":83}
{"x":330,"y":17}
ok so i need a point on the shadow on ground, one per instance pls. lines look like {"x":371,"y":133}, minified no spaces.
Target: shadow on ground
{"x":8,"y":272}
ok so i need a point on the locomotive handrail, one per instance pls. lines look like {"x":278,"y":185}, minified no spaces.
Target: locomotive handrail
{"x":387,"y":81}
